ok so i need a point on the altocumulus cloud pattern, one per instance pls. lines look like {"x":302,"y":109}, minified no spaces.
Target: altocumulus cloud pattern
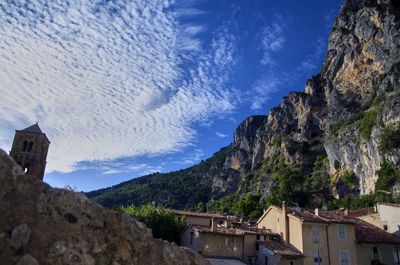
{"x":107,"y":79}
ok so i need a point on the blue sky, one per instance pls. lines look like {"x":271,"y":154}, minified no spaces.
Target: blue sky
{"x":126,"y":88}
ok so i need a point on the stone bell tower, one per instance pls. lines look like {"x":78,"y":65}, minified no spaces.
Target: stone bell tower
{"x":29,"y":150}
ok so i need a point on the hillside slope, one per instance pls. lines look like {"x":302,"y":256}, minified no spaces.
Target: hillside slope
{"x":328,"y":141}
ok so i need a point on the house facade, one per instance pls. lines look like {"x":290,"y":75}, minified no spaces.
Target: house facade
{"x":320,"y":240}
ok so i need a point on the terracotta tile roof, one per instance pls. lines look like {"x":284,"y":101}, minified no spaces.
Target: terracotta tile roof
{"x":308,"y":215}
{"x":281,"y":249}
{"x":355,"y":213}
{"x":233,"y":231}
{"x":200,"y":214}
{"x":368,"y":233}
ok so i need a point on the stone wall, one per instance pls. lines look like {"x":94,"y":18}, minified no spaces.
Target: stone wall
{"x":43,"y":225}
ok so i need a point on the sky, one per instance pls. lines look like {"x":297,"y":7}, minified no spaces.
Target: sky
{"x":125,"y":88}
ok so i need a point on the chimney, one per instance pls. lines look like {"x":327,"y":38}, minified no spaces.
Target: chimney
{"x":316,"y":211}
{"x":285,"y":223}
{"x":213,"y":225}
{"x":346,"y":212}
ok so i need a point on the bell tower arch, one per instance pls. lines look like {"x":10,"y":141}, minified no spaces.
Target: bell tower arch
{"x":29,"y":150}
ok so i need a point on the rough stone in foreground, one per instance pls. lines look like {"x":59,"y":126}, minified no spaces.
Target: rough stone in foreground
{"x":43,"y":225}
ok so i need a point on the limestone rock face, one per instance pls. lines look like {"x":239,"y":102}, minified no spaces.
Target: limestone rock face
{"x":359,"y":75}
{"x":43,"y":225}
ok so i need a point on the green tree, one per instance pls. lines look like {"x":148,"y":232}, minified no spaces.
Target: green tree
{"x":389,"y":138}
{"x":388,"y":175}
{"x":163,"y":223}
{"x":250,"y":206}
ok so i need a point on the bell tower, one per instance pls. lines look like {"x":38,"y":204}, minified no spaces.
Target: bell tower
{"x":29,"y":150}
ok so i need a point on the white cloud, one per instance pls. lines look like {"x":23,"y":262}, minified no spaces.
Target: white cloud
{"x":272,"y":40}
{"x":195,"y":157}
{"x":264,"y":87}
{"x":105,"y":79}
{"x":220,"y":134}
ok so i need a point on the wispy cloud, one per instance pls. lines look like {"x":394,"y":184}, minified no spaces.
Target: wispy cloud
{"x":101,"y":77}
{"x":195,"y":157}
{"x":221,"y":135}
{"x":272,"y":39}
{"x":264,"y":87}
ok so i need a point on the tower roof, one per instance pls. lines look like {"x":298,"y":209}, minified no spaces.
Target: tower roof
{"x":33,"y":129}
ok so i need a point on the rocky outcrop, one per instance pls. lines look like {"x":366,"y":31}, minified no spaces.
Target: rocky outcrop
{"x":42,"y":225}
{"x":360,"y":74}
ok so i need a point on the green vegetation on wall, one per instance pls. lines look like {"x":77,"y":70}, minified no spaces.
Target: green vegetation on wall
{"x":163,"y":223}
{"x":389,"y":138}
{"x":367,"y":122}
{"x":350,"y":179}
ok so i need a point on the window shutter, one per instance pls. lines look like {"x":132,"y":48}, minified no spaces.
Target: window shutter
{"x":344,"y":257}
{"x":342,"y":232}
{"x":315,"y":233}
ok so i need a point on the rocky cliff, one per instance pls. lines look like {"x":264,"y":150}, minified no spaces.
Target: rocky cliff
{"x":348,"y":116}
{"x":344,"y":108}
{"x":42,"y":225}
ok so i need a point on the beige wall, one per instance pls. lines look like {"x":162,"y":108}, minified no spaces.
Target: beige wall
{"x":214,"y":245}
{"x":365,"y":254}
{"x":197,"y":220}
{"x":336,"y":244}
{"x":250,"y":245}
{"x":373,"y":219}
{"x":273,"y":220}
{"x":295,"y":233}
{"x":309,"y":246}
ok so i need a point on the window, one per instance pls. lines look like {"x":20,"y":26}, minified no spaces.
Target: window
{"x":317,"y":257}
{"x":344,"y":257}
{"x":25,"y":145}
{"x":258,"y":237}
{"x":341,"y":232}
{"x":385,"y":227}
{"x":376,"y":254}
{"x":396,"y":255}
{"x":191,"y":238}
{"x":315,"y":233}
{"x":227,"y":242}
{"x":30,"y":146}
{"x":292,"y":263}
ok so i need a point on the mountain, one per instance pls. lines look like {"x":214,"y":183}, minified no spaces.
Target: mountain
{"x":338,"y":137}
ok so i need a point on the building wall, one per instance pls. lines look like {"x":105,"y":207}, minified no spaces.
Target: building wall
{"x":273,"y":220}
{"x":365,"y":253}
{"x":336,"y":244}
{"x":309,"y":246}
{"x":373,"y":219}
{"x":211,"y":244}
{"x":390,"y":216}
{"x":295,"y":233}
{"x":250,"y":245}
{"x":197,"y":220}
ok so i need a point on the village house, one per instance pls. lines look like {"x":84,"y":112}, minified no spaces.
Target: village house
{"x":383,"y":215}
{"x":217,"y":236}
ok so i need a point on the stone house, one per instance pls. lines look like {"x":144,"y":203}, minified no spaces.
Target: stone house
{"x":217,"y":236}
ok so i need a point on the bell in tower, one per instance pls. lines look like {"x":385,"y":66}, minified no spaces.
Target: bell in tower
{"x":29,"y":150}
